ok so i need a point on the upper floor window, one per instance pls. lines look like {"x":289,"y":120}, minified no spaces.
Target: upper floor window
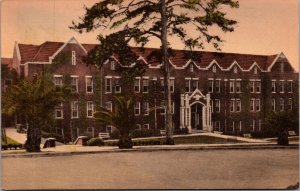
{"x":194,"y":85}
{"x":290,"y":104}
{"x":113,"y":65}
{"x":187,"y":85}
{"x":191,"y":68}
{"x":255,"y":70}
{"x":59,"y":111}
{"x":218,"y":85}
{"x":73,"y":57}
{"x":146,"y":108}
{"x":290,"y":86}
{"x":145,"y":85}
{"x":273,"y":104}
{"x":281,"y":67}
{"x":232,"y":105}
{"x":162,"y":85}
{"x":117,"y":85}
{"x":255,"y":105}
{"x":235,"y":69}
{"x":74,"y":109}
{"x":255,"y":86}
{"x":89,"y":84}
{"x":238,"y":86}
{"x":281,"y":86}
{"x":214,"y":68}
{"x":273,"y":86}
{"x":238,"y":105}
{"x":235,"y":105}
{"x":137,"y":108}
{"x":146,"y":126}
{"x":172,"y":85}
{"x":58,"y":82}
{"x":108,"y":86}
{"x":137,"y":85}
{"x":163,"y":107}
{"x":231,"y":86}
{"x":90,"y":108}
{"x":258,"y":86}
{"x":217,"y":105}
{"x":74,"y":84}
{"x":210,"y":86}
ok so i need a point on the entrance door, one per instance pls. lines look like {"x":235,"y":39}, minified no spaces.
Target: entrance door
{"x":196,"y":116}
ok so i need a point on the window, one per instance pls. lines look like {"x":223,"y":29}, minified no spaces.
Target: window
{"x":217,"y":105}
{"x":281,"y":103}
{"x":74,"y":109}
{"x":145,"y":126}
{"x":235,"y":69}
{"x":163,"y":107}
{"x":273,"y":86}
{"x":137,"y":85}
{"x":253,"y":125}
{"x":232,"y":105}
{"x":217,"y":126}
{"x":252,"y":103}
{"x":238,"y":105}
{"x":58,"y":82}
{"x":214,"y":69}
{"x":231,"y":86}
{"x":257,"y":104}
{"x":145,"y":85}
{"x":137,"y":108}
{"x":108,"y":87}
{"x":281,"y":86}
{"x":146,"y":108}
{"x":290,"y":86}
{"x":187,"y":85}
{"x":162,"y":85}
{"x":258,"y":86}
{"x":59,"y":111}
{"x":73,"y":58}
{"x":233,"y":127}
{"x":238,"y":86}
{"x":281,"y":67}
{"x":108,"y":105}
{"x":109,"y":129}
{"x":191,"y":68}
{"x":90,"y":109}
{"x":259,"y":125}
{"x":240,"y":126}
{"x":74,"y":84}
{"x":218,"y":86}
{"x":273,"y":104}
{"x":194,"y":85}
{"x":290,"y":104}
{"x":113,"y":65}
{"x":117,"y":85}
{"x":210,"y":86}
{"x":172,"y":85}
{"x":89,"y":84}
{"x":255,"y":70}
{"x":138,"y":126}
{"x":251,"y":86}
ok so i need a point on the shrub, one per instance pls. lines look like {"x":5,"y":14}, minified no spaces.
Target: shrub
{"x":265,"y":133}
{"x":182,"y":131}
{"x":145,"y":133}
{"x":115,"y":134}
{"x":146,"y":142}
{"x":95,"y":142}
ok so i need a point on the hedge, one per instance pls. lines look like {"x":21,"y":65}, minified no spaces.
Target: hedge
{"x":96,"y":141}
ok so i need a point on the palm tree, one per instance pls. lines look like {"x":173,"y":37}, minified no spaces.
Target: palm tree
{"x":122,"y":118}
{"x":34,"y":101}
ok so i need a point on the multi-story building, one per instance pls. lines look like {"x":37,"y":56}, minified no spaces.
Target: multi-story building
{"x":224,"y":92}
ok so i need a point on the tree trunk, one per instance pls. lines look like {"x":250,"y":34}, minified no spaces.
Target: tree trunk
{"x":33,"y":139}
{"x":165,"y":60}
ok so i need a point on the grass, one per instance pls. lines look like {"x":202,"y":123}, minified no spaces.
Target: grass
{"x":199,"y":139}
{"x":10,"y":141}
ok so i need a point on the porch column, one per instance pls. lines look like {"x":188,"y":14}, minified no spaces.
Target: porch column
{"x":182,"y":113}
{"x":204,"y":118}
{"x":187,"y":113}
{"x":209,"y":127}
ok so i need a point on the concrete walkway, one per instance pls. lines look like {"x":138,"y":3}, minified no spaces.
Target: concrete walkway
{"x":12,"y":133}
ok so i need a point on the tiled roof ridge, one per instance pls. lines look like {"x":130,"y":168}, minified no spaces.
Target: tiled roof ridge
{"x":39,"y":50}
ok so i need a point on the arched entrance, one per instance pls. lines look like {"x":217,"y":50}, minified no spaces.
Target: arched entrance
{"x":196,"y":116}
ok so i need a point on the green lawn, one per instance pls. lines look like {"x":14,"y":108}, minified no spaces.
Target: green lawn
{"x":10,"y":141}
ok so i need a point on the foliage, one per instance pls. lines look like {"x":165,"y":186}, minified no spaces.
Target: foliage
{"x":96,"y":141}
{"x":281,"y":122}
{"x":35,"y":101}
{"x":139,"y":21}
{"x":145,"y":133}
{"x":58,"y":137}
{"x":11,"y":144}
{"x":115,"y":134}
{"x":122,"y":118}
{"x":181,"y":131}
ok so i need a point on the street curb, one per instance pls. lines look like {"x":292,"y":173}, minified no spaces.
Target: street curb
{"x":149,"y":149}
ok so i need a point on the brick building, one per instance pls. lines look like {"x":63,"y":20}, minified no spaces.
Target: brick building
{"x":225,"y":92}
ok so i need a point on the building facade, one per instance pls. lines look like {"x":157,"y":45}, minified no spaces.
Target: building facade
{"x":226,"y":92}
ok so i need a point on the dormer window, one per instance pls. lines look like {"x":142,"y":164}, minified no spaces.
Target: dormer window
{"x":214,"y":69}
{"x":255,"y":70}
{"x":73,"y":58}
{"x":235,"y":69}
{"x":113,"y":65}
{"x":191,"y":68}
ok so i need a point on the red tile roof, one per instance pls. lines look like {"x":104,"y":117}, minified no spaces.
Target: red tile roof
{"x":41,"y":53}
{"x":7,"y":61}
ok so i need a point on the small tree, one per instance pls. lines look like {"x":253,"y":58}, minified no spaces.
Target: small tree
{"x":35,"y":101}
{"x":122,"y":118}
{"x":282,"y":122}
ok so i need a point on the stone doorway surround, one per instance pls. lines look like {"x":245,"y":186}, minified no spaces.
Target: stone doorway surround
{"x":189,"y":99}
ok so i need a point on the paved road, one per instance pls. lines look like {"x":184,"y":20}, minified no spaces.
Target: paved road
{"x":160,"y":169}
